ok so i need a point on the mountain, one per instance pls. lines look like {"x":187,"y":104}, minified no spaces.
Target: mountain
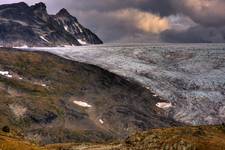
{"x":23,"y":25}
{"x":48,"y":99}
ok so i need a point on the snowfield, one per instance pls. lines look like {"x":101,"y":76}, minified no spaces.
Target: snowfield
{"x":189,"y":76}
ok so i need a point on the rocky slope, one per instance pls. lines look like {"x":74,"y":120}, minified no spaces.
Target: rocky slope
{"x":48,"y":99}
{"x":23,"y":25}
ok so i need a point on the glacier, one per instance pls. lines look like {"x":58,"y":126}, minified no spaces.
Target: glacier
{"x":190,"y":76}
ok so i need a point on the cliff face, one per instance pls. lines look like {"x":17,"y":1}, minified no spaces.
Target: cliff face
{"x":32,"y":26}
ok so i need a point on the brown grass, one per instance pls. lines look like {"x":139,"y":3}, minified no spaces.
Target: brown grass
{"x":9,"y":143}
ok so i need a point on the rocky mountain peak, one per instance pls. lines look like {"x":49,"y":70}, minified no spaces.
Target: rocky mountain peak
{"x":40,"y":10}
{"x":20,"y":5}
{"x":63,"y":13}
{"x":41,"y":7}
{"x":33,"y":26}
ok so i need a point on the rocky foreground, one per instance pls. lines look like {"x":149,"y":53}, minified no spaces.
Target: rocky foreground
{"x":185,"y":138}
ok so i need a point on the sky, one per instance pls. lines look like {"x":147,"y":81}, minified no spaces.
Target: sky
{"x":182,"y":21}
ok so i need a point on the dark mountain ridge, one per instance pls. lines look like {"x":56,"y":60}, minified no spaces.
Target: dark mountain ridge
{"x":23,"y":25}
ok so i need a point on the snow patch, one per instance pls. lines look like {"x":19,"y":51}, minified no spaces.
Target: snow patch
{"x":82,"y":104}
{"x":101,"y":121}
{"x":164,"y":105}
{"x":78,"y":26}
{"x":9,"y":76}
{"x":44,"y":85}
{"x":81,"y":42}
{"x":66,"y":28}
{"x":43,"y":38}
{"x":6,"y":74}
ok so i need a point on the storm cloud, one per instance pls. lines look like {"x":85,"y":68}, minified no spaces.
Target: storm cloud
{"x":197,"y":34}
{"x":204,"y":12}
{"x":147,"y":20}
{"x":209,"y":16}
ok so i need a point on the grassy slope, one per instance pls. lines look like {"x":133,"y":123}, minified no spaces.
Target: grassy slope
{"x":10,"y":142}
{"x":189,"y":138}
{"x":52,"y":117}
{"x":42,"y":67}
{"x":201,"y":137}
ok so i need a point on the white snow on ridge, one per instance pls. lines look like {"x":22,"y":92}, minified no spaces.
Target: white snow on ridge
{"x":66,"y":28}
{"x":82,"y":42}
{"x":82,"y":104}
{"x":78,"y":26}
{"x":43,"y":38}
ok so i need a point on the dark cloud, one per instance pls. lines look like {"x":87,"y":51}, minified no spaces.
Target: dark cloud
{"x":145,"y":20}
{"x":197,"y":34}
{"x":203,"y":12}
{"x":162,"y":7}
{"x":209,"y":16}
